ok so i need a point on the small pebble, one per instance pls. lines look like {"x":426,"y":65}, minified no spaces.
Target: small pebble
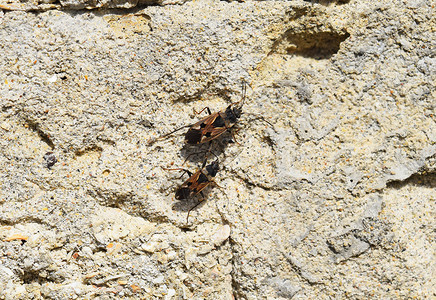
{"x":87,"y":251}
{"x":158,"y":279}
{"x":6,"y":126}
{"x":52,"y":79}
{"x":150,"y":247}
{"x":170,"y":293}
{"x":220,"y":235}
{"x":16,"y":237}
{"x":50,"y":159}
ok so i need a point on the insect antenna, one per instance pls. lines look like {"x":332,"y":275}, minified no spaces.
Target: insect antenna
{"x":244,"y":91}
{"x":154,"y":140}
{"x":260,"y":117}
{"x":189,"y":156}
{"x":240,"y":103}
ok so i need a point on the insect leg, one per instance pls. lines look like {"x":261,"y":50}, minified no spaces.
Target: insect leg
{"x":187,"y":172}
{"x":213,"y":181}
{"x":234,"y":138}
{"x":179,"y":169}
{"x":206,"y":108}
{"x":204,"y":163}
{"x":207,"y":155}
{"x":189,"y":211}
{"x":153,"y":140}
{"x":191,"y":154}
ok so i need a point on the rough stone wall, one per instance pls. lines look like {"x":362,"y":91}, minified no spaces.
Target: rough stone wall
{"x":331,"y":194}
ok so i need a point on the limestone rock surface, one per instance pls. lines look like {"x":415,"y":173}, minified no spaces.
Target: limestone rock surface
{"x":326,"y":189}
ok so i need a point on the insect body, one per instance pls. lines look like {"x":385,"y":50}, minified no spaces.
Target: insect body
{"x":196,"y":182}
{"x":212,"y":126}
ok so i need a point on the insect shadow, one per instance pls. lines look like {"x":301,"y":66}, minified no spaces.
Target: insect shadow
{"x":199,"y":153}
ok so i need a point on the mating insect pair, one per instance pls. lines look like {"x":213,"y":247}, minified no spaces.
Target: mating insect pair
{"x":205,"y":131}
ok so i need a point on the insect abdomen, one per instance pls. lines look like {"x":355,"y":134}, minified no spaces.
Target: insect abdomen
{"x":183,"y":193}
{"x":193,"y":136}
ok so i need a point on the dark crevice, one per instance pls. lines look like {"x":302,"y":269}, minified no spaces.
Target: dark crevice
{"x":5,"y":108}
{"x":103,"y":140}
{"x":110,"y":198}
{"x":43,"y":136}
{"x":328,"y":2}
{"x":29,"y":277}
{"x":89,"y":149}
{"x":318,"y":45}
{"x":81,"y":8}
{"x":137,"y":10}
{"x":236,"y":287}
{"x":24,"y":220}
{"x":419,"y":179}
{"x":40,"y":273}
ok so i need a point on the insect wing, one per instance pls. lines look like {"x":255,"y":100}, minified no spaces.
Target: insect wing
{"x":213,"y":134}
{"x":196,"y":183}
{"x":207,"y":129}
{"x":196,"y":132}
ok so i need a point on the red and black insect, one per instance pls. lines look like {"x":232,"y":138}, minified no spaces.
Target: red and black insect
{"x":215,"y":124}
{"x":212,"y":126}
{"x":196,"y":182}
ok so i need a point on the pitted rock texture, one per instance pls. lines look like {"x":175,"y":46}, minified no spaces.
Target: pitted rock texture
{"x":326,"y":185}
